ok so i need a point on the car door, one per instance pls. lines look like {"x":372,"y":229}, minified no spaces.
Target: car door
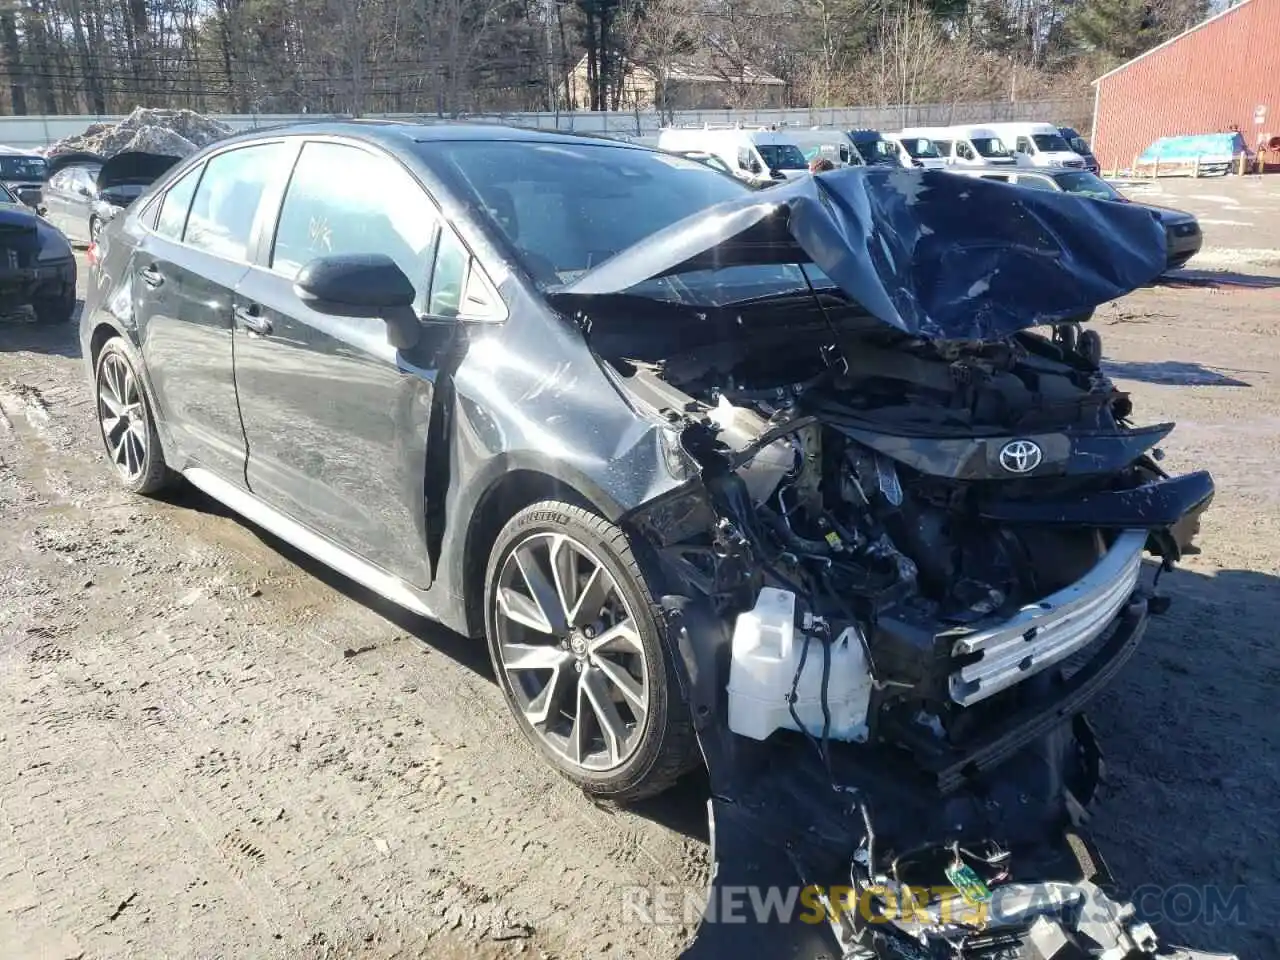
{"x":183,"y":274}
{"x":336,"y":419}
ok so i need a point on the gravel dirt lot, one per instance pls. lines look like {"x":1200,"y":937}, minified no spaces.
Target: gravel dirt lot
{"x":213,"y":748}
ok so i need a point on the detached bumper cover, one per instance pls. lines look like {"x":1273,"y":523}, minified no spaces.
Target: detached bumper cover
{"x":1047,"y":632}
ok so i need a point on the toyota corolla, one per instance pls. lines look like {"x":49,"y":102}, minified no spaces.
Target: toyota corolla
{"x":811,"y":485}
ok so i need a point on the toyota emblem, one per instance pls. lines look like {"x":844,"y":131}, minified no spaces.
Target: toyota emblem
{"x":1021,"y":456}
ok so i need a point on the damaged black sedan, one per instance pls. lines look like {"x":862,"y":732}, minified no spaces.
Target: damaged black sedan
{"x":37,"y":267}
{"x":823,"y":487}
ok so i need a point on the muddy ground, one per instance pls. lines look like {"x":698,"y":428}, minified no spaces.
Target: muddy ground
{"x":210,"y":747}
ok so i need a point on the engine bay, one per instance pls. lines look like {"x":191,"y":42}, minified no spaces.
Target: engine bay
{"x":855,"y":501}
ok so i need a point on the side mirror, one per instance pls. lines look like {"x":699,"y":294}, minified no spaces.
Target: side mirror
{"x":362,"y":285}
{"x":755,"y":167}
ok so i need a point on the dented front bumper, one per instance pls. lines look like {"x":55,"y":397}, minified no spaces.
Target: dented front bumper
{"x":791,"y":827}
{"x":1045,"y":633}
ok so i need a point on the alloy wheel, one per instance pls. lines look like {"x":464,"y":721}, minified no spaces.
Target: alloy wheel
{"x":571,"y":650}
{"x":123,"y":416}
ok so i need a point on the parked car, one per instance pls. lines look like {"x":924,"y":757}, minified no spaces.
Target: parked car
{"x":709,"y":159}
{"x":876,"y":149}
{"x":833,"y":145}
{"x":967,"y":145}
{"x":37,"y":268}
{"x":761,"y":157}
{"x":1183,"y":238}
{"x":1081,"y":147}
{"x":917,"y":151}
{"x":1038,"y":145}
{"x":23,"y":173}
{"x":562,"y":393}
{"x":85,"y":191}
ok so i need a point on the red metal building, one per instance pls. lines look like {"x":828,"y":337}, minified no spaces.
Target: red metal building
{"x":1221,"y":73}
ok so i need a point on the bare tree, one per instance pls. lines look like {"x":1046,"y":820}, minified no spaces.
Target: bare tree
{"x":662,"y":33}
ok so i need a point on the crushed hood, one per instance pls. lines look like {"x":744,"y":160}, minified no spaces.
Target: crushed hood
{"x":134,"y":167}
{"x":927,"y":252}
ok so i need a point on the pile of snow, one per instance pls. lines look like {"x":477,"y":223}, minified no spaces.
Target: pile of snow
{"x":173,"y":132}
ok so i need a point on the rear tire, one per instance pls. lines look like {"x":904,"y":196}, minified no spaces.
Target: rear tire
{"x":125,"y":421}
{"x":577,"y":651}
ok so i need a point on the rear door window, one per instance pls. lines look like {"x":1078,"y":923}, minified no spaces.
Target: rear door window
{"x":344,"y":200}
{"x":226,"y":202}
{"x":176,"y":203}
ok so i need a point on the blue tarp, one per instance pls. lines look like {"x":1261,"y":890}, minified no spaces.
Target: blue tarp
{"x":1214,"y":147}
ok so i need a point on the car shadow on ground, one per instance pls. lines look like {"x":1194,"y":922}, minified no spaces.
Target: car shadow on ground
{"x":1217,"y":278}
{"x":1173,"y":373}
{"x":20,"y":332}
{"x":1189,"y":727}
{"x":467,"y":652}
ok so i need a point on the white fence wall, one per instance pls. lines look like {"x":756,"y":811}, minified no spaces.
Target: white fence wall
{"x":33,"y":132}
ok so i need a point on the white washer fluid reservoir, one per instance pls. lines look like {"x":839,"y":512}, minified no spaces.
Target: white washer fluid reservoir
{"x":766,"y":653}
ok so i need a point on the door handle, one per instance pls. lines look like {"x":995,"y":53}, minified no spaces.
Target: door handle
{"x":151,"y":276}
{"x":252,"y":320}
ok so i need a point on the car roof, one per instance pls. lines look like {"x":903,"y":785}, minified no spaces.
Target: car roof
{"x":399,"y":135}
{"x":17,"y":152}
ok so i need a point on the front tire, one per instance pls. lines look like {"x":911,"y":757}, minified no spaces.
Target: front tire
{"x":125,"y":421}
{"x":577,"y":652}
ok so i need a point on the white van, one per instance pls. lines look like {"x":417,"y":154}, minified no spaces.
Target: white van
{"x":972,"y":145}
{"x":916,"y":150}
{"x":835,"y":145}
{"x":1039,"y":145}
{"x":757,"y":156}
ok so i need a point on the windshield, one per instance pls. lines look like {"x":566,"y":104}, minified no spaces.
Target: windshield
{"x":1085,"y":183}
{"x":716,"y":288}
{"x":920,"y":147}
{"x":782,"y":156}
{"x":877,"y":151}
{"x":22,"y":168}
{"x":1050,"y":143}
{"x":989,"y":146}
{"x":568,"y":207}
